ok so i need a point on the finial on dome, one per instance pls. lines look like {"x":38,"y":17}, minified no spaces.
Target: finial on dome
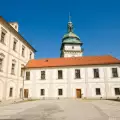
{"x":70,"y":25}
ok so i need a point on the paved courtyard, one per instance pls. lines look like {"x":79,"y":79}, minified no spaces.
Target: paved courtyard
{"x":62,"y":110}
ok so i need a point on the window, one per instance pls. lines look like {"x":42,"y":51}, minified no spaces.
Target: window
{"x":72,"y":47}
{"x":60,"y":76}
{"x":60,"y":92}
{"x":27,"y":75}
{"x":42,"y":92}
{"x":14,"y":45}
{"x":114,"y":72}
{"x":21,"y":74}
{"x":13,"y":69}
{"x":30,"y":55}
{"x":77,"y":73}
{"x":1,"y":64}
{"x":98,"y":92}
{"x":96,"y":73}
{"x":117,"y":91}
{"x":23,"y":51}
{"x":3,"y":37}
{"x":11,"y":92}
{"x":42,"y":75}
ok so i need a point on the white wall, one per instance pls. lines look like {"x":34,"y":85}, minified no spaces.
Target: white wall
{"x":87,"y":83}
{"x":8,"y":80}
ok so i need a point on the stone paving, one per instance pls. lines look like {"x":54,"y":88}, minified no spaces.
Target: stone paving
{"x":62,"y":110}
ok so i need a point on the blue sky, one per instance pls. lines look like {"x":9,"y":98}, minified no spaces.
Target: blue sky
{"x":43,"y":23}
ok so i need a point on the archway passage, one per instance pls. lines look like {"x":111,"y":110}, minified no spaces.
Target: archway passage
{"x":78,"y":93}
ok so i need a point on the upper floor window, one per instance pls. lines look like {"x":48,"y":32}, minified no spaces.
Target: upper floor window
{"x":117,"y":91}
{"x":27,"y":75}
{"x":42,"y":75}
{"x":3,"y":34}
{"x":77,"y":73}
{"x":98,"y":92}
{"x":60,"y":76}
{"x":30,"y":55}
{"x":1,"y":64}
{"x":14,"y":44}
{"x":114,"y":72}
{"x":1,"y":61}
{"x":96,"y":73}
{"x":13,"y":67}
{"x":60,"y":91}
{"x":23,"y":51}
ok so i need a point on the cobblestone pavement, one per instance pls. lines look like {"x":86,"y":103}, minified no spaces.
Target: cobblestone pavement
{"x":62,"y":110}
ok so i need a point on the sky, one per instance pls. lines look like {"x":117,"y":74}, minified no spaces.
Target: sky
{"x":44,"y":22}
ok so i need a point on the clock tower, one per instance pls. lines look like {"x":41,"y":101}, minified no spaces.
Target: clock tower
{"x":71,"y":44}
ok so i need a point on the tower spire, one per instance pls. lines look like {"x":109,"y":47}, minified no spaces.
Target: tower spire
{"x":70,"y":25}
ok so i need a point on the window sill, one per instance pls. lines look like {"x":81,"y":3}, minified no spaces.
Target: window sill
{"x":42,"y":79}
{"x":60,"y":79}
{"x":96,"y":78}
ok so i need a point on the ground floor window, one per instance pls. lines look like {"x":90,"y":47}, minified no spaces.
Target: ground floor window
{"x":98,"y":92}
{"x":117,"y":91}
{"x":42,"y":92}
{"x":11,"y":92}
{"x":60,"y":91}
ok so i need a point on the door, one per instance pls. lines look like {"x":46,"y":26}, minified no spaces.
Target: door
{"x":26,"y":91}
{"x":78,"y":93}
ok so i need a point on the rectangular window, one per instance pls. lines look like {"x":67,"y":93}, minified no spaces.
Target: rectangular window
{"x":60,"y":76}
{"x":21,"y":74}
{"x":117,"y":91}
{"x":60,"y":92}
{"x":98,"y":92}
{"x":27,"y":75}
{"x":42,"y":92}
{"x":11,"y":92}
{"x":1,"y":64}
{"x":42,"y":75}
{"x":23,"y":51}
{"x":114,"y":72}
{"x":14,"y":45}
{"x":77,"y":73}
{"x":30,"y":55}
{"x":13,"y":69}
{"x":2,"y":37}
{"x":96,"y":73}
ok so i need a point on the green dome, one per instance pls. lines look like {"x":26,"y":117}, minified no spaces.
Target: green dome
{"x":71,"y":37}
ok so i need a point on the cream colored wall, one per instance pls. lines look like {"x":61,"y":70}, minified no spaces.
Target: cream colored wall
{"x":87,"y":83}
{"x":8,"y":80}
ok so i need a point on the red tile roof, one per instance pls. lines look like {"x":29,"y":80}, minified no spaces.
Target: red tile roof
{"x":72,"y":61}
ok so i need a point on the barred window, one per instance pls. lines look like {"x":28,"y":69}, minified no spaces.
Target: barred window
{"x":114,"y":72}
{"x":60,"y":76}
{"x":27,"y":75}
{"x":42,"y":75}
{"x":77,"y":73}
{"x":96,"y":73}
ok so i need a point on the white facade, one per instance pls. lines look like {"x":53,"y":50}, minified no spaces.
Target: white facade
{"x":11,"y":78}
{"x":69,"y":84}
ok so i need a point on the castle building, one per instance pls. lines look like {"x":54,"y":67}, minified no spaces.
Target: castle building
{"x":72,"y":75}
{"x":15,"y":52}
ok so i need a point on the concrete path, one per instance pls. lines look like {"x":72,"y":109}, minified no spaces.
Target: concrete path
{"x":62,"y":110}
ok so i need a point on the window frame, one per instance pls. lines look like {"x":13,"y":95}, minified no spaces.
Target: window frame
{"x":98,"y":92}
{"x":60,"y":91}
{"x":117,"y":92}
{"x":60,"y":74}
{"x":77,"y":75}
{"x":11,"y":92}
{"x":96,"y":73}
{"x":43,"y":75}
{"x":27,"y":76}
{"x":115,"y":75}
